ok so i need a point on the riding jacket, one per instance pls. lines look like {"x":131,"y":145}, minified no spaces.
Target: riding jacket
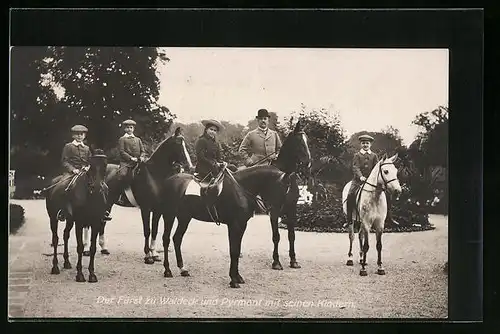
{"x":363,"y":163}
{"x":130,"y":147}
{"x":208,"y":154}
{"x":75,"y":155}
{"x":258,"y":144}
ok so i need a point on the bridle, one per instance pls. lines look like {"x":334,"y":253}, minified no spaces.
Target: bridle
{"x":377,"y":187}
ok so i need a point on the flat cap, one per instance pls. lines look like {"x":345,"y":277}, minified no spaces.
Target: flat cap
{"x":129,"y":122}
{"x":365,"y":137}
{"x":79,"y":128}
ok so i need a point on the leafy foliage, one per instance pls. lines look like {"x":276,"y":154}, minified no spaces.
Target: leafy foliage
{"x":57,"y":87}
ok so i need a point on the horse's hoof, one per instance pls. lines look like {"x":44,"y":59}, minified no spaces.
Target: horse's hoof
{"x":295,"y":265}
{"x":185,"y":273}
{"x":86,"y":253}
{"x":234,"y":285}
{"x":104,"y":252}
{"x":148,"y":260}
{"x":349,"y":263}
{"x":381,"y":271}
{"x":156,"y":258}
{"x":240,"y":279}
{"x":92,"y":278}
{"x":167,"y":273}
{"x":80,"y":277}
{"x":67,"y":265}
{"x":277,"y":266}
{"x":363,"y":272}
{"x":55,"y":271}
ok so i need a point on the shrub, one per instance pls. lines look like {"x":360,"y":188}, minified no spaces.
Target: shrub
{"x":16,"y":217}
{"x":328,"y":216}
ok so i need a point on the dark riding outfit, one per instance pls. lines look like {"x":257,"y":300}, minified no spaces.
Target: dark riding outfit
{"x":75,"y":156}
{"x":131,"y":151}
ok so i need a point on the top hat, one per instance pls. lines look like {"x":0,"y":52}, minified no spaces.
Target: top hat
{"x":262,"y":113}
{"x":79,"y":128}
{"x":366,"y":138}
{"x":208,"y":122}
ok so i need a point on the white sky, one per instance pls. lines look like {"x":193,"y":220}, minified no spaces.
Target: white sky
{"x":369,"y":88}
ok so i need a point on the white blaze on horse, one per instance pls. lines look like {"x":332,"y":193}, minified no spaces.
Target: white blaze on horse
{"x":371,"y":208}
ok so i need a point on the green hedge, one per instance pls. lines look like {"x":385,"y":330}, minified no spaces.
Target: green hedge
{"x":16,"y":217}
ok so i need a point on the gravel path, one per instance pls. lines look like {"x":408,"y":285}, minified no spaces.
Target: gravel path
{"x":415,"y":285}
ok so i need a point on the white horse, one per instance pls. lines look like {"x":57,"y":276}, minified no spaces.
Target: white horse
{"x":371,"y":208}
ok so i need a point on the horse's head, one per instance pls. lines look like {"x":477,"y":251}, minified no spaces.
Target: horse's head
{"x":388,"y":175}
{"x":172,"y":151}
{"x":295,"y":155}
{"x":97,"y":171}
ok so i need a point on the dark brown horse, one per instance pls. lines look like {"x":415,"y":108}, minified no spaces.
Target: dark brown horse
{"x":146,"y":185}
{"x":88,"y":200}
{"x":236,"y":202}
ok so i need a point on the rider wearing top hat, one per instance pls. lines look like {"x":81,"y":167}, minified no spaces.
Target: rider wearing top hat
{"x":261,"y":145}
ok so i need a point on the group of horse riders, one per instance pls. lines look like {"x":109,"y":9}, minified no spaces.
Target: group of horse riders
{"x":259,"y":146}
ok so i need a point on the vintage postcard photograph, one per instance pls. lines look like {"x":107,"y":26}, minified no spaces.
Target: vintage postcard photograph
{"x":227,"y":182}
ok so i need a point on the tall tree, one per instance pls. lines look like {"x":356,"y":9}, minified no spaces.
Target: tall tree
{"x":104,"y":86}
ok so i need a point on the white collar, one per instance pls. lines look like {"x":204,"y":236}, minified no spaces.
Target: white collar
{"x":263,"y":130}
{"x":129,"y":135}
{"x":365,"y":152}
{"x":76,"y":143}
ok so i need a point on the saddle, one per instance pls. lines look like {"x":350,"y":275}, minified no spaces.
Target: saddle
{"x":210,"y":190}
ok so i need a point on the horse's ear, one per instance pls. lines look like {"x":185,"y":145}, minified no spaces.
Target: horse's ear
{"x":178,"y":131}
{"x":394,"y":157}
{"x":384,"y":157}
{"x":298,"y":127}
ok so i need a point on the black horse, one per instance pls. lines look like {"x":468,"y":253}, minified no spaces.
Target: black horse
{"x":148,"y":178}
{"x":88,"y":198}
{"x":236,"y":201}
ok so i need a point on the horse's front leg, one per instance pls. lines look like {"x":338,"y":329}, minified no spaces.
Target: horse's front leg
{"x":154,"y":233}
{"x":182,"y":225}
{"x":86,"y":241}
{"x":67,"y":231}
{"x":54,"y":224}
{"x":276,"y":240}
{"x":366,"y":246}
{"x":235,"y":233}
{"x":93,"y":249}
{"x":79,"y":250}
{"x":351,"y":239}
{"x":102,"y":239}
{"x":145,"y":214}
{"x":380,"y":269}
{"x":292,"y":219}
